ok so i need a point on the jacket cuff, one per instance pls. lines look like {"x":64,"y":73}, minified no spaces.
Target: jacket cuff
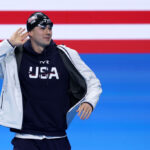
{"x":10,"y":43}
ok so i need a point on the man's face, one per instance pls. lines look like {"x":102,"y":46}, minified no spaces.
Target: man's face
{"x":41,"y":36}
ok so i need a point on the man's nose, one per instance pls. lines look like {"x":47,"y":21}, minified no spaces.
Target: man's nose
{"x":48,"y":30}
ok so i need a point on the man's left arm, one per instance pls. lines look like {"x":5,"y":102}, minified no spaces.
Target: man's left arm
{"x":93,"y":87}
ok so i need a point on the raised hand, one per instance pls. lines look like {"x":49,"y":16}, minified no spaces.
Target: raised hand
{"x":19,"y":37}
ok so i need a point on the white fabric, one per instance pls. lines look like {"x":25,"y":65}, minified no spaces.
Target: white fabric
{"x":39,"y":137}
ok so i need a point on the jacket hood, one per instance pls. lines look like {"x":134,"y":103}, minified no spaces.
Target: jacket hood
{"x":48,"y":49}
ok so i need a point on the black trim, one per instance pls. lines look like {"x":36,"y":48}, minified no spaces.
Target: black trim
{"x":78,"y":87}
{"x":18,"y":54}
{"x":11,"y":44}
{"x":2,"y":100}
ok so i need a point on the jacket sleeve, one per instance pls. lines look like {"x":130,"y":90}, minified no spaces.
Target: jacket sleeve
{"x":93,"y":83}
{"x":5,"y":49}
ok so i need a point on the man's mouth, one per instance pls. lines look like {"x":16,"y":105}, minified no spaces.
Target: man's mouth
{"x":47,"y":38}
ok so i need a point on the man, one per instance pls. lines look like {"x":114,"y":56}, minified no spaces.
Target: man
{"x":44,"y":86}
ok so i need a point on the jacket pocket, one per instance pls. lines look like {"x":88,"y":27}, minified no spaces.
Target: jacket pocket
{"x":1,"y":103}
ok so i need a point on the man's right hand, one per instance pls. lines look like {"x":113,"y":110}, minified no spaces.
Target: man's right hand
{"x":19,"y":37}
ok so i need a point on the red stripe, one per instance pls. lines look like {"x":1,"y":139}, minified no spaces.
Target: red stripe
{"x":80,"y":17}
{"x":108,"y":46}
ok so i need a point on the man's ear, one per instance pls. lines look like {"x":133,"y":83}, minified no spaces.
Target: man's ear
{"x":30,"y":33}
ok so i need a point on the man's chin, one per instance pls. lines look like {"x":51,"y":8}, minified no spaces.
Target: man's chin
{"x":46,"y":43}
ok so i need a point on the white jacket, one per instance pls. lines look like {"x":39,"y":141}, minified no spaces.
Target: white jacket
{"x":11,"y":109}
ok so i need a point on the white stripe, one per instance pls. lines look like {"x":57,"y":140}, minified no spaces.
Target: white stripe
{"x":75,"y":5}
{"x":89,"y":31}
{"x":40,"y":137}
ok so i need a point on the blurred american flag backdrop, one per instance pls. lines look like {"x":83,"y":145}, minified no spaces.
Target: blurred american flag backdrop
{"x":113,"y":38}
{"x":109,"y":26}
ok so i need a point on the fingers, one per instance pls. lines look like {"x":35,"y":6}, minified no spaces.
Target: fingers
{"x":85,"y":114}
{"x":20,"y":30}
{"x":22,"y":37}
{"x":19,"y":37}
{"x":80,"y":110}
{"x":85,"y":111}
{"x":89,"y":113}
{"x":25,"y":35}
{"x":25,"y":40}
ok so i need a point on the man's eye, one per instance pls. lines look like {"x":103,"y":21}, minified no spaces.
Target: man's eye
{"x":50,"y":28}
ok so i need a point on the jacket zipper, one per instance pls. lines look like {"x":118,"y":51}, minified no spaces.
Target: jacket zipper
{"x":2,"y":101}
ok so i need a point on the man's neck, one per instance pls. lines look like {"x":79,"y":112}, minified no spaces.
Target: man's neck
{"x":37,"y":48}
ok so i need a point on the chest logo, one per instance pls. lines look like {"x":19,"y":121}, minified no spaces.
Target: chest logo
{"x":43,"y":73}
